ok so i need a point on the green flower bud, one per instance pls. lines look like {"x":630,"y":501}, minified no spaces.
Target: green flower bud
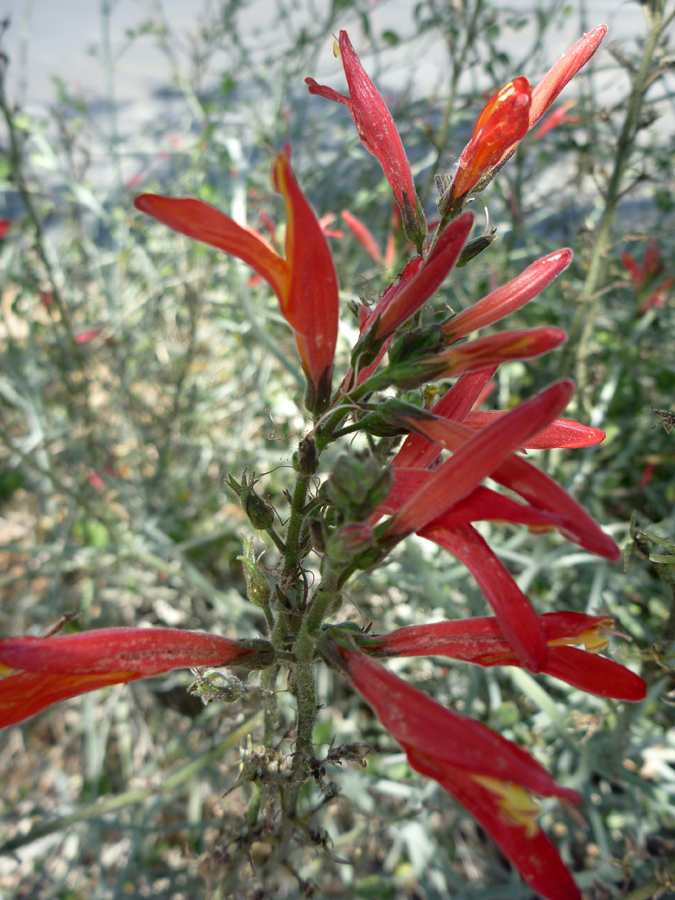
{"x":358,"y":484}
{"x":260,"y":512}
{"x":416,"y":344}
{"x":473,"y":248}
{"x":257,"y":586}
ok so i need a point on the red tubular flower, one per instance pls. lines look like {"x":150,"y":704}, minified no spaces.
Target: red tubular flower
{"x":509,"y":115}
{"x":562,"y":433}
{"x":644,"y":276}
{"x":400,"y":305}
{"x":523,"y":478}
{"x":415,"y":370}
{"x":4,"y":227}
{"x":305,"y":281}
{"x":378,"y":133}
{"x":501,"y":126}
{"x":491,"y":777}
{"x":558,"y":76}
{"x":510,"y":297}
{"x":48,"y":669}
{"x":482,"y":641}
{"x":475,"y":460}
{"x":439,"y":505}
{"x":453,"y":481}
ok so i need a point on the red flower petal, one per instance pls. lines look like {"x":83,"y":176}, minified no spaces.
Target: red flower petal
{"x":501,"y":126}
{"x":560,"y":433}
{"x":376,"y":129}
{"x":54,"y":668}
{"x":511,"y":296}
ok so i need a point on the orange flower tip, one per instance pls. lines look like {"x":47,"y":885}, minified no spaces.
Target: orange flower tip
{"x":500,"y":127}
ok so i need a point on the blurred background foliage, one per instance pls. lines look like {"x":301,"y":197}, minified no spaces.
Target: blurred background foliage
{"x":137,"y":369}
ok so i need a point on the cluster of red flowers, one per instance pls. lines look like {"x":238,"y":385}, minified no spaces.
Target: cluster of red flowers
{"x":490,"y":776}
{"x":645,"y":278}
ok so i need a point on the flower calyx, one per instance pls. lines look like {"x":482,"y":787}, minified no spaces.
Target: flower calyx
{"x":260,"y":513}
{"x":357,"y":485}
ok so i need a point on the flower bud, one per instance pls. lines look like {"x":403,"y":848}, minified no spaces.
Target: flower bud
{"x":377,"y":424}
{"x":259,"y":511}
{"x":474,"y":248}
{"x":416,"y":344}
{"x":357,"y":485}
{"x":257,"y":586}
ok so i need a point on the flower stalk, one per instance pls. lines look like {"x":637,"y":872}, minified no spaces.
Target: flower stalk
{"x":411,"y":466}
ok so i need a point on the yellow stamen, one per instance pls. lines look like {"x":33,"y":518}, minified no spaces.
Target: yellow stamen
{"x":592,"y":639}
{"x":515,"y":804}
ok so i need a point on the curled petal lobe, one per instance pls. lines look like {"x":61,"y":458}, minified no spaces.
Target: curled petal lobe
{"x":595,"y":674}
{"x":205,"y":223}
{"x":560,"y":433}
{"x":24,"y":694}
{"x":312,"y":305}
